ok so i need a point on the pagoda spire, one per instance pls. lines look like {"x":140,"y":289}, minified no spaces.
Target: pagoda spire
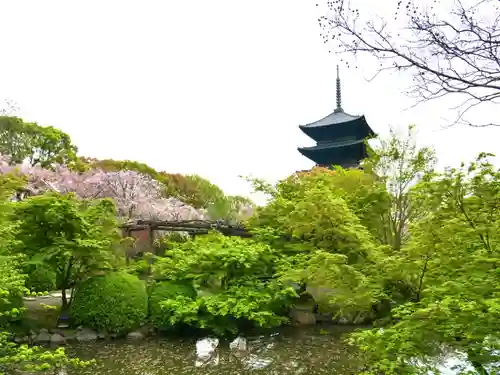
{"x":339,"y":94}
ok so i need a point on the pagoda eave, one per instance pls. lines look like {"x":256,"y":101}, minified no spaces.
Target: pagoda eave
{"x":345,"y":154}
{"x":358,"y":126}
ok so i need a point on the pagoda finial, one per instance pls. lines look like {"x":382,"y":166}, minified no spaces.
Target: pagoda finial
{"x":339,"y":94}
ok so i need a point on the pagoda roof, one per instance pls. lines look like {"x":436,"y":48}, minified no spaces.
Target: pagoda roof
{"x":336,"y":117}
{"x":333,"y":144}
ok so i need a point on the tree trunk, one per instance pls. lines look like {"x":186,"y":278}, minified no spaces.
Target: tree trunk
{"x":64,"y":286}
{"x":65,"y":304}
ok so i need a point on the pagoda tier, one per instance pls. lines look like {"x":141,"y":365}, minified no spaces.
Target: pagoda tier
{"x":347,"y":154}
{"x":338,"y":125}
{"x":340,"y":137}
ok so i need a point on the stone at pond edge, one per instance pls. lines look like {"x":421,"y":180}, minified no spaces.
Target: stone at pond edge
{"x":57,"y":339}
{"x":22,"y":340}
{"x":136,"y":336}
{"x":239,"y":343}
{"x":342,"y":320}
{"x":42,"y":337}
{"x":85,"y":335}
{"x":303,"y":316}
{"x":324,"y":317}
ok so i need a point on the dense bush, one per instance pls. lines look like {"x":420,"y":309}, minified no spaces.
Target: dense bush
{"x":116,"y":303}
{"x":11,"y":307}
{"x":160,"y":316}
{"x":233,"y":278}
{"x":41,"y":279}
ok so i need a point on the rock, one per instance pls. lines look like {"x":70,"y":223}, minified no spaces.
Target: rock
{"x":102,"y":335}
{"x":359,"y":320}
{"x":206,"y":347}
{"x":146,"y":330}
{"x":136,"y":336}
{"x":343,"y":321}
{"x":57,"y":339}
{"x":206,"y":352}
{"x":42,"y":337}
{"x":22,"y":340}
{"x":239,"y":343}
{"x":303,"y":316}
{"x":70,"y":335}
{"x":85,"y":334}
{"x":324,"y":317}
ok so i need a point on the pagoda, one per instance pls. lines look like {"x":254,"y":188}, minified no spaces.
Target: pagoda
{"x":340,"y":137}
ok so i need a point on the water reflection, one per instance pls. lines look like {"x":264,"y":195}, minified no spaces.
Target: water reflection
{"x":292,"y":351}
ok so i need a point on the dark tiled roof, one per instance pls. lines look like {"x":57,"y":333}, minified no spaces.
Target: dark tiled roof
{"x":333,"y":144}
{"x":336,"y":117}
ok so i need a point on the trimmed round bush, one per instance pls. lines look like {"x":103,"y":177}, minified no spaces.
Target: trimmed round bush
{"x":116,"y":303}
{"x":41,"y":279}
{"x":160,"y":292}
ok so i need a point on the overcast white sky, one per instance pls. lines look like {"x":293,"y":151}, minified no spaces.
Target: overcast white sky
{"x":216,"y":88}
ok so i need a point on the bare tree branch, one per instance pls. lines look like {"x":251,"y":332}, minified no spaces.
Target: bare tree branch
{"x":9,"y":108}
{"x":457,"y":53}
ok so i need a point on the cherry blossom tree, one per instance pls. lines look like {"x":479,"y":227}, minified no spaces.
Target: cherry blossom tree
{"x":137,"y":196}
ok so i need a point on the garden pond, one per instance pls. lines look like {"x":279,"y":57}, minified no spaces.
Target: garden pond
{"x":315,"y":350}
{"x":293,"y":350}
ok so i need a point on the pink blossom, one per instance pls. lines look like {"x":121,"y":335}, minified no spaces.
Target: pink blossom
{"x":137,"y":196}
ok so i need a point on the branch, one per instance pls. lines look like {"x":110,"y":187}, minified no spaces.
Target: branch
{"x":459,"y":56}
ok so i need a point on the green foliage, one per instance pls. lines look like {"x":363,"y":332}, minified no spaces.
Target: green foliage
{"x":111,"y":165}
{"x":353,"y":288}
{"x":41,"y":279}
{"x":399,"y":164}
{"x":230,"y":209}
{"x":325,"y":221}
{"x":192,"y":189}
{"x":43,"y":146}
{"x":116,"y":303}
{"x":233,"y":280}
{"x":166,"y":290}
{"x":15,"y":357}
{"x":11,"y":290}
{"x":21,"y":357}
{"x":313,"y":210}
{"x":451,"y":264}
{"x":73,"y":238}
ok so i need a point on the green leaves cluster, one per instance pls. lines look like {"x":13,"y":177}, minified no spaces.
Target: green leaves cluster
{"x":397,"y":241}
{"x":12,"y":289}
{"x":116,"y":303}
{"x":318,"y":219}
{"x":233,"y":282}
{"x":451,"y":267}
{"x":73,"y":238}
{"x":42,"y":146}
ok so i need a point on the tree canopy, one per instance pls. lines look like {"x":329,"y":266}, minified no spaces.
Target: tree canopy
{"x":44,"y":146}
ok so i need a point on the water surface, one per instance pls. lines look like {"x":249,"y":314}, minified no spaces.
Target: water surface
{"x":308,"y":351}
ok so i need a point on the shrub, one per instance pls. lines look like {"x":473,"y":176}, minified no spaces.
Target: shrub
{"x":12,"y":302}
{"x":116,"y":303}
{"x":41,"y":279}
{"x":162,"y":291}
